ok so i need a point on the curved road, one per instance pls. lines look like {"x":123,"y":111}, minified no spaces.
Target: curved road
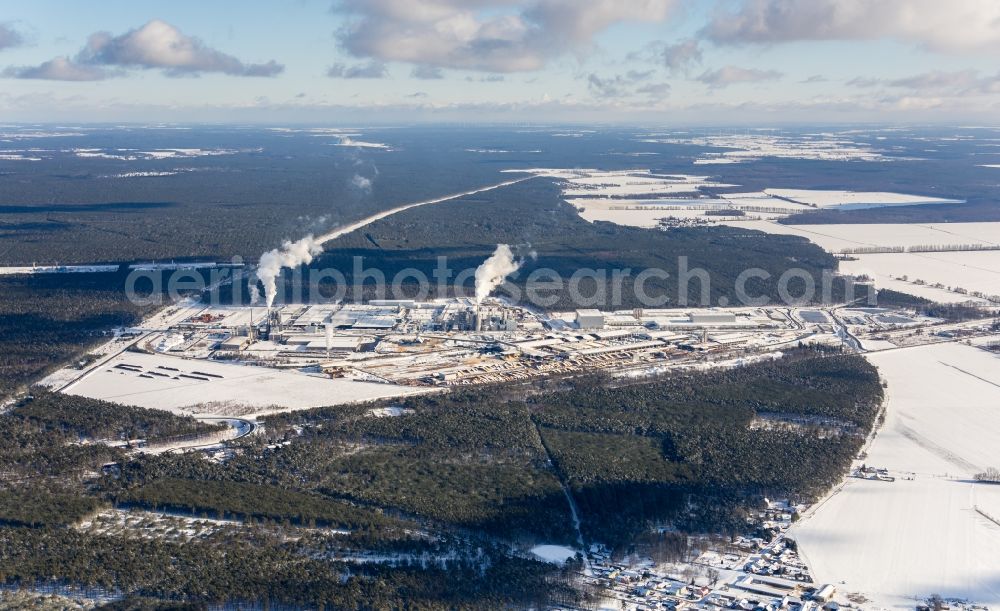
{"x":243,"y":427}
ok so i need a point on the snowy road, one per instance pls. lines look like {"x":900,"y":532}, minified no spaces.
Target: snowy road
{"x":344,"y":230}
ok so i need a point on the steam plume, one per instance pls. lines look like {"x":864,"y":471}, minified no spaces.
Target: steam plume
{"x":361,"y":183}
{"x":291,"y":254}
{"x":494,"y":271}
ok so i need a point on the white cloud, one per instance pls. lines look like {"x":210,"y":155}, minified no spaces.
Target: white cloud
{"x":58,"y":69}
{"x":155,"y":45}
{"x":938,"y":25}
{"x":732,"y":75}
{"x":160,"y":45}
{"x":9,"y":37}
{"x":488,"y":35}
{"x":372,"y":69}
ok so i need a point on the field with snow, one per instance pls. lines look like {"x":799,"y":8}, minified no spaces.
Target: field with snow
{"x":640,"y":198}
{"x":557,"y":554}
{"x":893,"y":541}
{"x":207,"y":388}
{"x":348,"y":141}
{"x":836,"y":238}
{"x":833,"y":199}
{"x":977,"y":271}
{"x":759,"y":145}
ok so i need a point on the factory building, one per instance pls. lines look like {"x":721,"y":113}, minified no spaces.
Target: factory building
{"x":235,"y":343}
{"x":589,"y":319}
{"x":712,"y":318}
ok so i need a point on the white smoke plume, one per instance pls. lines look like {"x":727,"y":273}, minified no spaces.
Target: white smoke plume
{"x":495,"y":270}
{"x":291,"y":254}
{"x":254,"y":292}
{"x":361,"y":183}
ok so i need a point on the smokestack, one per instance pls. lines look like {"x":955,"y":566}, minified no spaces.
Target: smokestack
{"x":494,"y":271}
{"x":329,"y":338}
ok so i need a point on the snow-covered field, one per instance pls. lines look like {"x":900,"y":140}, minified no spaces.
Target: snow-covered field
{"x":918,"y":535}
{"x":640,"y":198}
{"x":556,"y":554}
{"x":752,"y":146}
{"x":348,"y":141}
{"x":975,"y":271}
{"x":836,"y":238}
{"x":833,"y":199}
{"x":155,"y":381}
{"x":12,"y":156}
{"x":52,"y":269}
{"x":135,"y":155}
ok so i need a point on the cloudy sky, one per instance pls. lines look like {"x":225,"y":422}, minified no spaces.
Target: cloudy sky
{"x":674,"y":61}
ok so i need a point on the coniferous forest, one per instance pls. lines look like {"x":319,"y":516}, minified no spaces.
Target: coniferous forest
{"x":439,"y":500}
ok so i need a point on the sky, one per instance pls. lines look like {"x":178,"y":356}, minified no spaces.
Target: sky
{"x":719,"y":62}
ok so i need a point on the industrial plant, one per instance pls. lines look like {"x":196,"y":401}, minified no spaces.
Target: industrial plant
{"x":458,"y":341}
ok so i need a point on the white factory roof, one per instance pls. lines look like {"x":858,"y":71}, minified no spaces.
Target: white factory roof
{"x":374,"y":322}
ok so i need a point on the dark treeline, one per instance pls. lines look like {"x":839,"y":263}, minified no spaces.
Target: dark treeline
{"x":548,"y":233}
{"x":49,"y":452}
{"x":93,"y":419}
{"x":243,"y":500}
{"x":977,"y":210}
{"x":638,"y":453}
{"x":240,"y":567}
{"x":47,"y":319}
{"x":633,"y":453}
{"x":952,"y":312}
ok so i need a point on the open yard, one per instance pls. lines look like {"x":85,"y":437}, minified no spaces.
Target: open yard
{"x":206,"y":388}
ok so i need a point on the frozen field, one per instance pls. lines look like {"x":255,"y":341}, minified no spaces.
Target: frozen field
{"x":972,"y":271}
{"x":644,"y":213}
{"x":836,"y":238}
{"x":833,"y":199}
{"x":753,"y":146}
{"x":209,"y":388}
{"x":920,"y":535}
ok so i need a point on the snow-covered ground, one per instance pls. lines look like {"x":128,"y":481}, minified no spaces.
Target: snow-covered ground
{"x":155,"y":381}
{"x":11,"y":156}
{"x":921,"y":534}
{"x":833,"y":199}
{"x":556,"y":554}
{"x":977,"y":271}
{"x":836,"y":238}
{"x":641,"y":198}
{"x":752,"y":146}
{"x":56,"y":269}
{"x":348,"y":141}
{"x":134,"y":155}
